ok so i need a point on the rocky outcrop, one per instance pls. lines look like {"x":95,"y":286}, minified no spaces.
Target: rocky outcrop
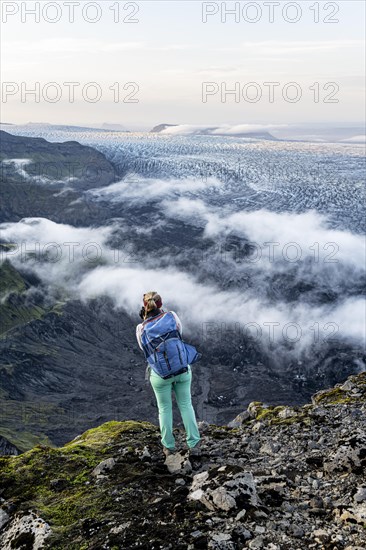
{"x":25,"y":531}
{"x":224,"y":488}
{"x":7,"y":448}
{"x":282,"y":478}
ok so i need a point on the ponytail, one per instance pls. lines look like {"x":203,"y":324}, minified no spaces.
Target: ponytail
{"x":152,"y":300}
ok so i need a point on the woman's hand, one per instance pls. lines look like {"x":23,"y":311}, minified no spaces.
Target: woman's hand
{"x":142,"y":313}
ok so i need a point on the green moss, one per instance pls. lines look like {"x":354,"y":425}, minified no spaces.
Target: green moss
{"x":361,"y":379}
{"x":58,"y":308}
{"x":66,"y":510}
{"x":343,"y":401}
{"x":270,"y":414}
{"x":59,"y":485}
{"x":264,"y":414}
{"x":338,"y":396}
{"x":12,"y":316}
{"x":10,"y":279}
{"x":107,"y":433}
{"x":332,"y":397}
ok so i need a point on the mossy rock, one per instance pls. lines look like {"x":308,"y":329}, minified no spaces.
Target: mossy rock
{"x":33,"y":479}
{"x":107,"y":433}
{"x":271,"y":416}
{"x":335,"y":396}
{"x":269,"y":413}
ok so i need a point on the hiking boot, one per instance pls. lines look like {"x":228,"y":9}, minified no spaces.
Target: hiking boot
{"x":196,"y":450}
{"x":169,"y":452}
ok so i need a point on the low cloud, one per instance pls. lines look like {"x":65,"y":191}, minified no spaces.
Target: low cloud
{"x":225,"y":129}
{"x":58,"y":253}
{"x":136,"y":188}
{"x":18,"y":166}
{"x":355,"y":139}
{"x":289,"y":235}
{"x":246,"y":128}
{"x":203,"y":306}
{"x":206,"y":308}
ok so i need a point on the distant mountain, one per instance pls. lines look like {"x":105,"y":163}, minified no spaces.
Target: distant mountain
{"x":160,"y":127}
{"x":38,"y":124}
{"x":69,"y":128}
{"x":113,"y":127}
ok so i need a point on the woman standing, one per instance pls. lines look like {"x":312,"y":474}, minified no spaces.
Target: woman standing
{"x":180,"y":382}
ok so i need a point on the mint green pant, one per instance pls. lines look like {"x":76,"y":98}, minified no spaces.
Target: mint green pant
{"x":181,"y":385}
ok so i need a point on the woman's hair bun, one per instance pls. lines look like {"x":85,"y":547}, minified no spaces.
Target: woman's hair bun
{"x":152,"y":300}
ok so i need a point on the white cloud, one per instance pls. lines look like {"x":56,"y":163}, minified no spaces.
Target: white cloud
{"x":307,"y":231}
{"x":136,"y":188}
{"x":71,"y":249}
{"x":188,"y":209}
{"x":67,"y":46}
{"x":230,"y":130}
{"x":278,"y":47}
{"x":246,"y":128}
{"x":203,"y":304}
{"x":257,"y":48}
{"x":19,"y":165}
{"x":355,"y":139}
{"x":197,"y":302}
{"x":183,"y":129}
{"x":351,"y":316}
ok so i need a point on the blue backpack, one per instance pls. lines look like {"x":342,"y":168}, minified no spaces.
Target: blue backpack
{"x":164,"y":349}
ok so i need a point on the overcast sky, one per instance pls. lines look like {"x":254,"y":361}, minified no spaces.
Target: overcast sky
{"x":169,"y":52}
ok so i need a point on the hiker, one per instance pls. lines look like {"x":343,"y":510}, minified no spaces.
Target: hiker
{"x":159,"y":336}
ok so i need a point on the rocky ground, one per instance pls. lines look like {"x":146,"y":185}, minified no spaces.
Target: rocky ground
{"x":277,"y":478}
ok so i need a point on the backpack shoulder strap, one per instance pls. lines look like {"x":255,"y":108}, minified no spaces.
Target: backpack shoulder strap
{"x":153,"y":318}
